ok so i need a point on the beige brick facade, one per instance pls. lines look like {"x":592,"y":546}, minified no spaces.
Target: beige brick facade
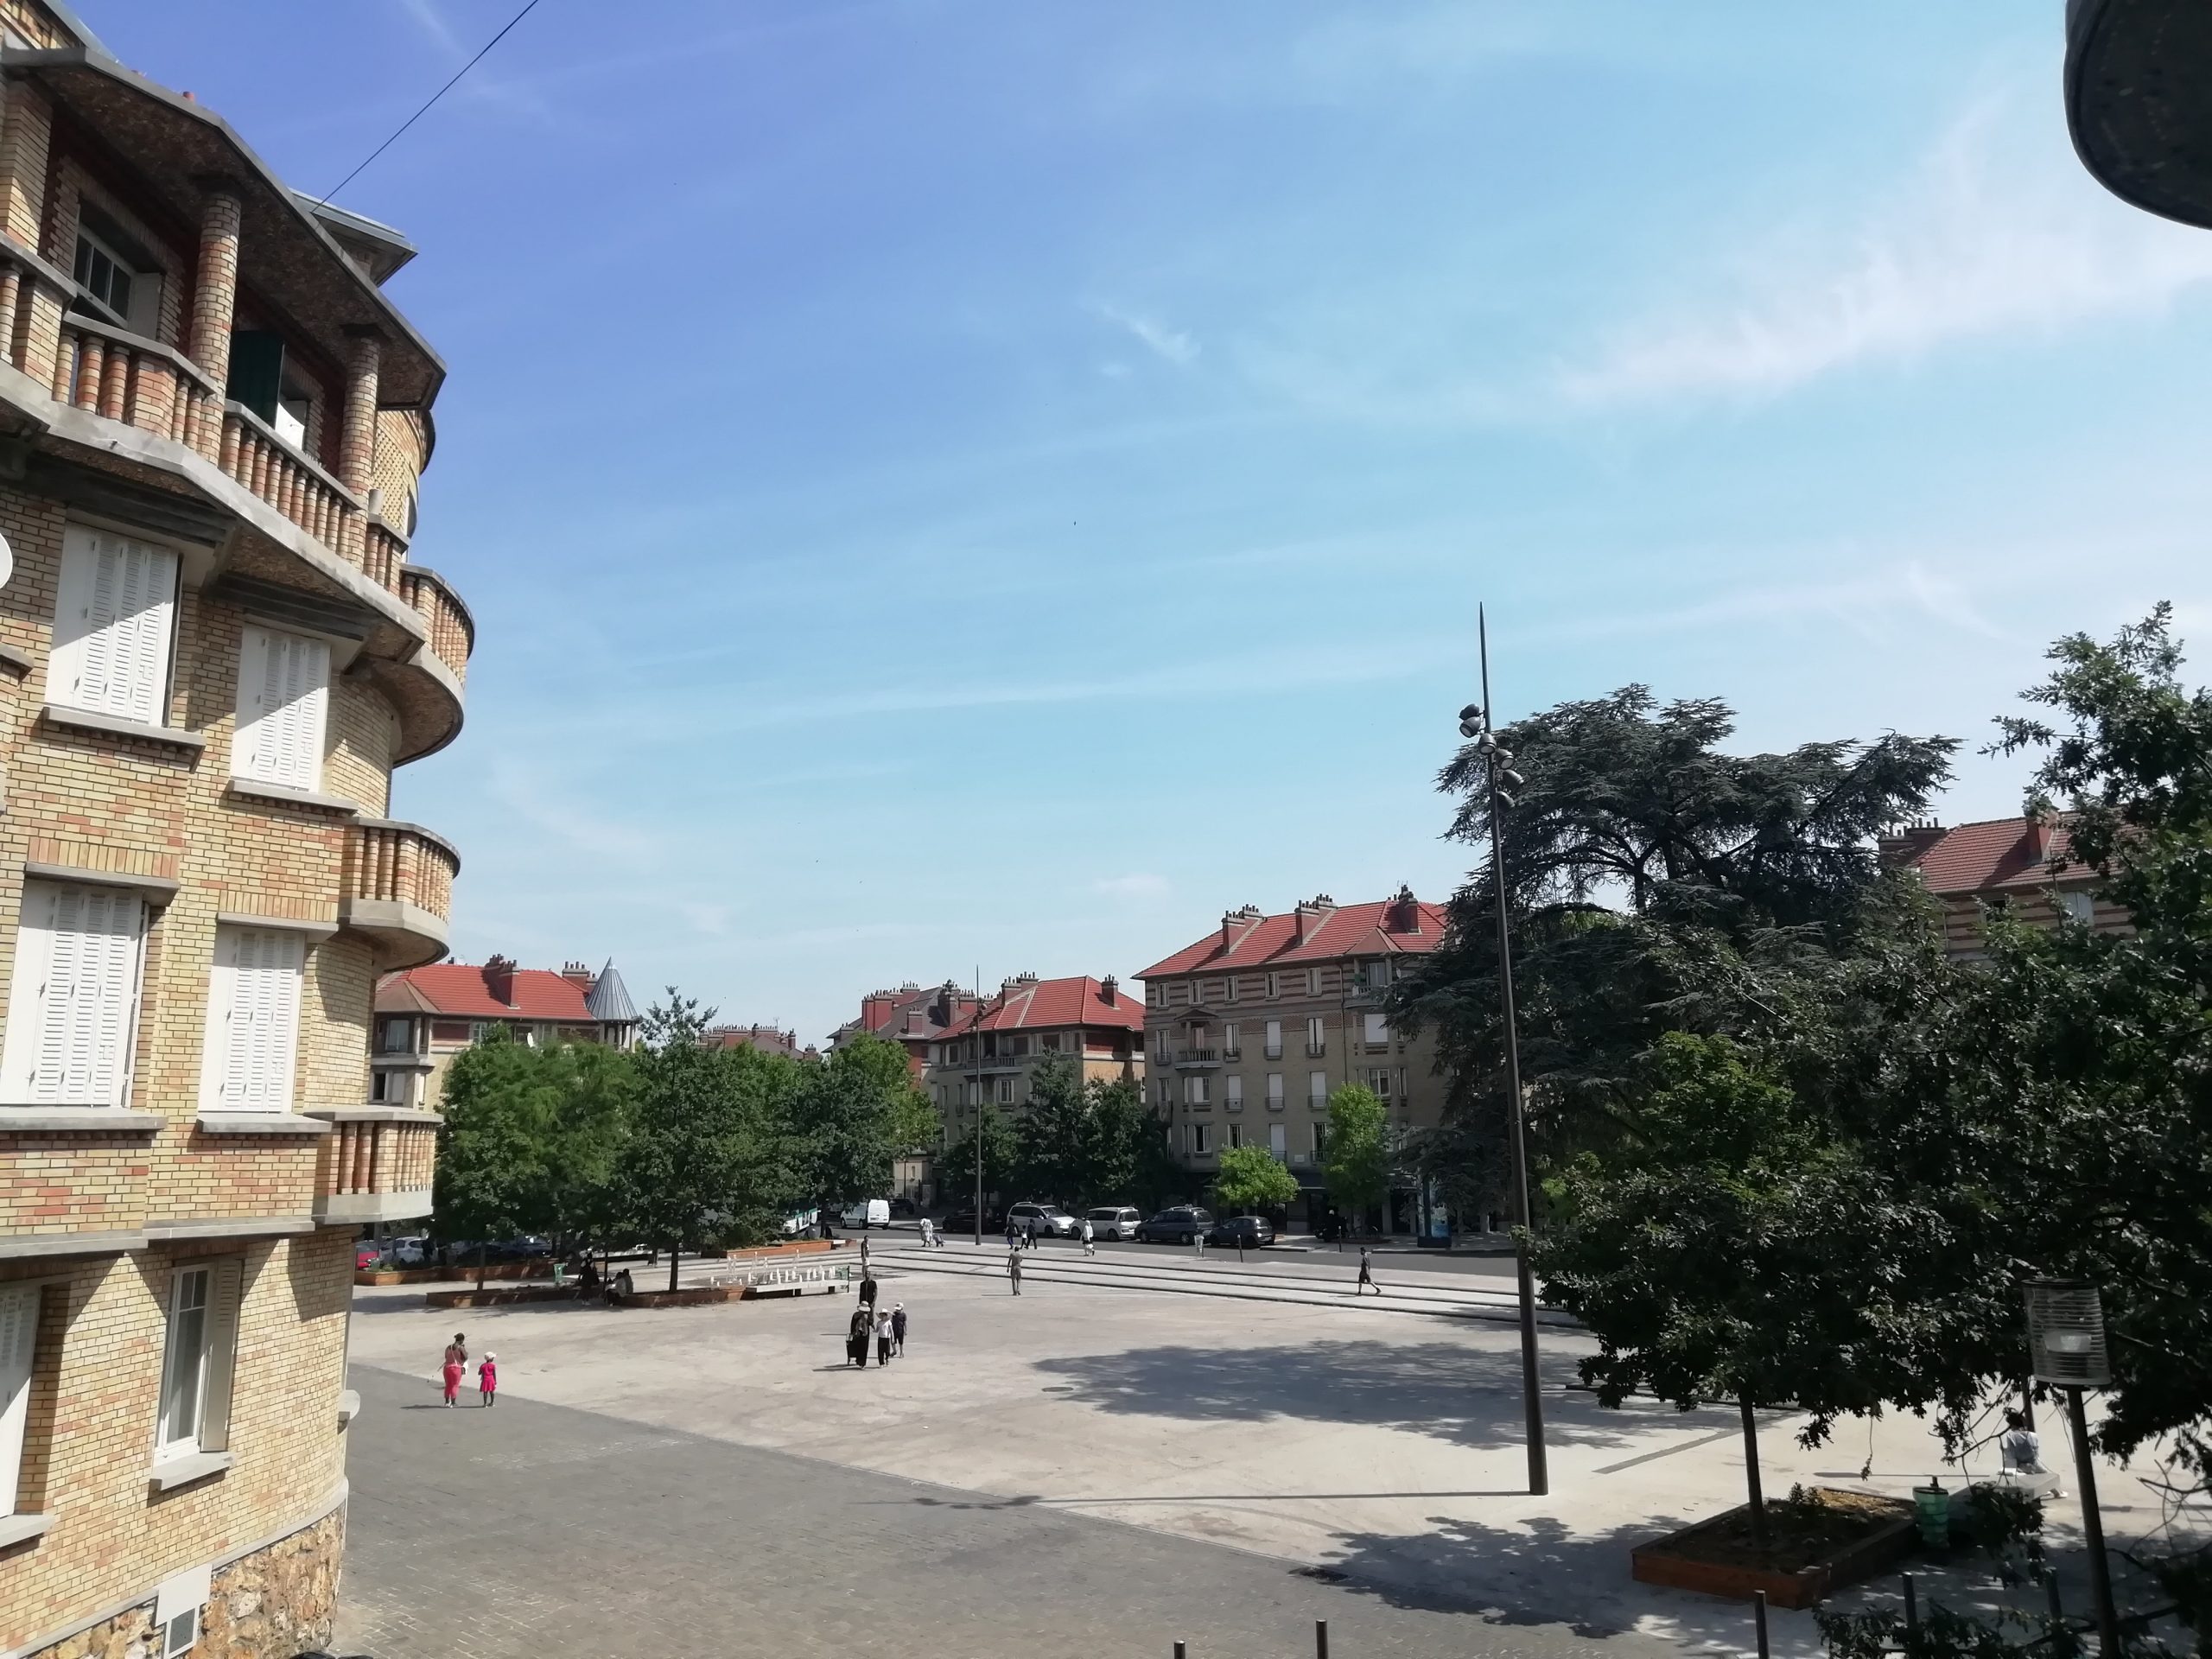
{"x":134,"y":1488}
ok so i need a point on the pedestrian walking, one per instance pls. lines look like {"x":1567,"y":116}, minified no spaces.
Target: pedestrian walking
{"x":869,"y":1290}
{"x":1029,"y":1233}
{"x":1199,"y":1241}
{"x":1090,"y":1246}
{"x":1366,"y":1272}
{"x":456,"y":1365}
{"x":487,"y":1379}
{"x":898,"y":1328}
{"x":928,"y":1231}
{"x":856,"y":1330}
{"x":863,"y":1255}
{"x":883,"y":1338}
{"x":1013,"y":1268}
{"x":1013,"y":1234}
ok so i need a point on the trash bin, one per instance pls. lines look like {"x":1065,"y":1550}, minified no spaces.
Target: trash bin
{"x":1931,"y":1506}
{"x":560,"y":1273}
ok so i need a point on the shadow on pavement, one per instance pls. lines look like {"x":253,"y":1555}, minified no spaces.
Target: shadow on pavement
{"x":1469,"y":1396}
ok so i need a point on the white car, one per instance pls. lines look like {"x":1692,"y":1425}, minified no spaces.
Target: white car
{"x":411,"y":1252}
{"x":1114,"y":1221}
{"x":869,"y":1212}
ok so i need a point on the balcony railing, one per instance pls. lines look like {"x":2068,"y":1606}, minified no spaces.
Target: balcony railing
{"x":377,"y":1164}
{"x":1273,"y":1051}
{"x":398,"y":888}
{"x":257,"y":458}
{"x":1192,"y":1058}
{"x":1316,"y":1050}
{"x":453,"y":633}
{"x":139,"y":382}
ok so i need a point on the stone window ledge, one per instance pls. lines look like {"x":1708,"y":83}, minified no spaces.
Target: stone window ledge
{"x":77,"y":1119}
{"x":83,"y":719}
{"x":260,"y":1123}
{"x":16,"y":662}
{"x":173,"y":1472}
{"x":252,"y":789}
{"x":22,"y":1529}
{"x":349,"y":1407}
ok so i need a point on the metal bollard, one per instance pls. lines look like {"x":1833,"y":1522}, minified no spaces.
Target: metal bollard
{"x":1758,"y":1616}
{"x":1179,"y":1651}
{"x":1911,"y":1604}
{"x":1320,"y":1638}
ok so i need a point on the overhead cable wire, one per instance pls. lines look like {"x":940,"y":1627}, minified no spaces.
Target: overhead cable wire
{"x":529,"y":7}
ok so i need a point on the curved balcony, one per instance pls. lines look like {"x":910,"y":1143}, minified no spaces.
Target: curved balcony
{"x":377,"y":1163}
{"x":398,"y":890}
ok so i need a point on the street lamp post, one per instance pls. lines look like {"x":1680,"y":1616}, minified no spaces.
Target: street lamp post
{"x":2066,"y":1345}
{"x":974,"y":1036}
{"x":1475,"y":723}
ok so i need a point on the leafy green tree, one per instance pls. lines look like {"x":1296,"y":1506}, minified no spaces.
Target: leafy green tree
{"x":1357,"y":1161}
{"x":693,"y":1142}
{"x":490,"y":1174}
{"x":1127,"y":1158}
{"x":955,"y":1161}
{"x":1054,"y":1133}
{"x":855,"y":1114}
{"x":1250,"y":1179}
{"x":1656,"y":882}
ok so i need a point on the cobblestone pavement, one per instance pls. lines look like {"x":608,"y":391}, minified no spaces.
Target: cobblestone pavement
{"x":542,"y":1532}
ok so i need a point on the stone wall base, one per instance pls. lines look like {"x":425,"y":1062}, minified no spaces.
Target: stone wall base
{"x":272,"y":1603}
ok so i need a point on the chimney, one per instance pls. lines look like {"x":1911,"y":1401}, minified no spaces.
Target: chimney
{"x":2036,"y":842}
{"x":1109,"y":988}
{"x":1310,"y":913}
{"x":1404,"y":914}
{"x":1908,"y":845}
{"x":875,"y":1010}
{"x":578,"y":975}
{"x":499,"y":979}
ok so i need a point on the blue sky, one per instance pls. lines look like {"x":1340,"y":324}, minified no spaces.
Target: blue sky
{"x":948,"y":484}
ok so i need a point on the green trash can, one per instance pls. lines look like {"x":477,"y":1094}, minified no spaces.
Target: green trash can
{"x":1931,"y":1506}
{"x":560,"y":1274}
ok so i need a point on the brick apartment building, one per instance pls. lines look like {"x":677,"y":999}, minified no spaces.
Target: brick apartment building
{"x":913,"y":1018}
{"x":427,"y":1015}
{"x":1251,"y":1028}
{"x":2007,"y":861}
{"x":990,"y":1052}
{"x":769,"y":1040}
{"x":214,"y":649}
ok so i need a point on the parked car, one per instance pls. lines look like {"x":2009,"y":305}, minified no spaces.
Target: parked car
{"x":1050,"y":1219}
{"x":1114,"y":1221}
{"x":964,"y":1221}
{"x":800,"y":1222}
{"x":869,"y":1212}
{"x":1247,"y":1232}
{"x":366,"y":1256}
{"x":411,"y":1251}
{"x":1177,"y":1225}
{"x":905,"y":1209}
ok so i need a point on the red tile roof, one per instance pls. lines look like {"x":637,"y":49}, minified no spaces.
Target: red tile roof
{"x":1996,"y":854}
{"x":1401,"y":927}
{"x":456,"y":988}
{"x":1045,"y":1004}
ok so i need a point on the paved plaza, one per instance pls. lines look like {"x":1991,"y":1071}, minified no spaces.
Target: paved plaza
{"x":1082,"y":1465}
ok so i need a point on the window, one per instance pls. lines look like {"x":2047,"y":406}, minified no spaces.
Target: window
{"x":2075,"y":906}
{"x":1155,"y":994}
{"x":18,"y":1343}
{"x":1378,"y":1029}
{"x":1005,"y":1091}
{"x":1278,"y":1140}
{"x":1316,"y":1088}
{"x":1275,"y":987}
{"x":127,"y":295}
{"x":202,"y":1339}
{"x":396,"y":1036}
{"x":391,"y":1089}
{"x":1049,"y":1043}
{"x":1313,"y":981}
{"x":283,"y":702}
{"x":1320,"y":1140}
{"x":72,"y":1007}
{"x":1379,"y":974}
{"x":1316,"y":1043}
{"x":1232,"y":1093}
{"x":1198,"y":992}
{"x":1232,"y":1042}
{"x":1235,"y":1135}
{"x":1379,"y":1080}
{"x":1275,"y":1092}
{"x":1274,"y":1039}
{"x":1229,"y":989}
{"x":1195,"y":1092}
{"x":253,"y":1019}
{"x":1201,"y":1139}
{"x":114,"y":611}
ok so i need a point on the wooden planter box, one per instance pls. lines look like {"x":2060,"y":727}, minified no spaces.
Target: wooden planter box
{"x":796,"y":1247}
{"x":1678,"y":1562}
{"x":492,"y":1270}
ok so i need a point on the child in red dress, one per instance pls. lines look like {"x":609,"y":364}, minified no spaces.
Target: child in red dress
{"x":487,"y":1378}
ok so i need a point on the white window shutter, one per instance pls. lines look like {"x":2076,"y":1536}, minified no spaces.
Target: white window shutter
{"x":69,"y":1030}
{"x":1378,"y":1029}
{"x":114,"y":615}
{"x":253,"y":1016}
{"x":27,"y":995}
{"x":18,"y":1343}
{"x":284,"y":708}
{"x":224,"y":1289}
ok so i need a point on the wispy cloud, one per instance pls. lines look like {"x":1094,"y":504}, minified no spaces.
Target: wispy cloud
{"x":1867,"y":604}
{"x":431,"y":22}
{"x":1174,"y":345}
{"x":1138,"y":885}
{"x":1995,"y":234}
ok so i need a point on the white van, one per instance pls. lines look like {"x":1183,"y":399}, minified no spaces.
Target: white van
{"x":869,"y":1212}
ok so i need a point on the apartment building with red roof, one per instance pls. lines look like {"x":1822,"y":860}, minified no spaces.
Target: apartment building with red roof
{"x":991,"y":1051}
{"x":2022,"y":863}
{"x":1250,"y":1030}
{"x":427,"y":1015}
{"x":769,"y":1040}
{"x":913,"y":1017}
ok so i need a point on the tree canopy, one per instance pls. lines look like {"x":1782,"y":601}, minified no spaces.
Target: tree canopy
{"x":1356,"y":1158}
{"x":1251,"y":1178}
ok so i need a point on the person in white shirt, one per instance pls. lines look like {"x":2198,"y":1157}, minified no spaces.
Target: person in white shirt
{"x":1090,"y":1248}
{"x":928,"y":1227}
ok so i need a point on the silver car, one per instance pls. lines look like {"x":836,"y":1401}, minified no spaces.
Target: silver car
{"x":1114,"y":1221}
{"x":1050,"y":1220}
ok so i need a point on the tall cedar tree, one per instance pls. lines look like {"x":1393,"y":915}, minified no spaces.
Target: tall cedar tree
{"x":1656,"y":883}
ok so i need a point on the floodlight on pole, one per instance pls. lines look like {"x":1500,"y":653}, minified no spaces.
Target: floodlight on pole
{"x":2067,"y":1350}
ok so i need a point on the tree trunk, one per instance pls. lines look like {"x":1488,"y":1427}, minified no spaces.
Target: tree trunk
{"x":480,"y":1264}
{"x":1751,"y":1474}
{"x":673,"y":1260}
